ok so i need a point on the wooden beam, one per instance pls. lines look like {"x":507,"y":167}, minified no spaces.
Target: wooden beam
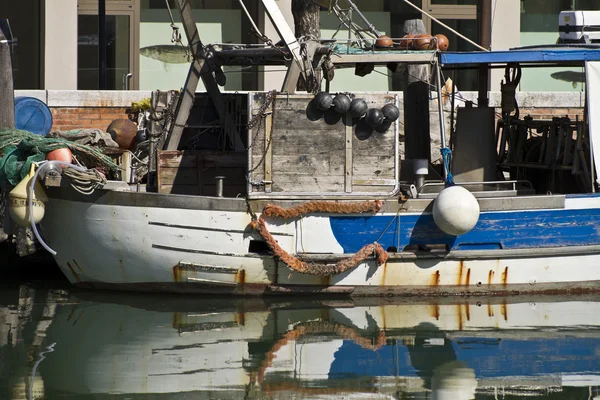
{"x":285,"y":32}
{"x":198,"y":70}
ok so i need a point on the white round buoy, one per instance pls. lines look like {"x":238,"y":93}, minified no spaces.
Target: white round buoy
{"x":455,"y":210}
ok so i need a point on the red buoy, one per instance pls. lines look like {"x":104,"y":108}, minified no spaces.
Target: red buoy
{"x":63,"y":154}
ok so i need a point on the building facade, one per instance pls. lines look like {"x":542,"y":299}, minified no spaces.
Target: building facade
{"x":56,"y":45}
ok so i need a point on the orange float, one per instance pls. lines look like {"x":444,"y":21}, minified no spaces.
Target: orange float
{"x":422,"y":41}
{"x":406,"y":42}
{"x":63,"y":155}
{"x":384,"y":41}
{"x":441,"y":41}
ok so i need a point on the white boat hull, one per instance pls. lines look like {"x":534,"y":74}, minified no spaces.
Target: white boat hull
{"x":177,"y":249}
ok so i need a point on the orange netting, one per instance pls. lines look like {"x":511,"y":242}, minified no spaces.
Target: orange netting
{"x":319,"y":327}
{"x":322,"y":269}
{"x":272,"y":210}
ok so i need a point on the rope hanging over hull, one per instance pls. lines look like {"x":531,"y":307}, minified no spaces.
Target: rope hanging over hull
{"x":324,"y":270}
{"x":272,"y":210}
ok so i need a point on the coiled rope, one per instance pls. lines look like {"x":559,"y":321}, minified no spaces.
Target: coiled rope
{"x":85,"y":182}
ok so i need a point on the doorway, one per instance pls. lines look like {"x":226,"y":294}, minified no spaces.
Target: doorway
{"x":122,"y":41}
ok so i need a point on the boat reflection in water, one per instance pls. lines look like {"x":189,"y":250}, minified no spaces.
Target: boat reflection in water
{"x":115,"y":345}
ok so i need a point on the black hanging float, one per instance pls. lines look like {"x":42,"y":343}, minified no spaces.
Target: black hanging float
{"x":390,"y":112}
{"x":358,"y":108}
{"x":323,"y":101}
{"x":374,"y":117}
{"x":341,"y":103}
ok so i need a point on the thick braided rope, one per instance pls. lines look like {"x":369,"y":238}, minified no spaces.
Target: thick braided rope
{"x":314,"y":269}
{"x":319,"y":327}
{"x":272,"y":210}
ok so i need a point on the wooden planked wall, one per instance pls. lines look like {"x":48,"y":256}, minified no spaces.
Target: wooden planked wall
{"x":311,"y":152}
{"x":193,"y":172}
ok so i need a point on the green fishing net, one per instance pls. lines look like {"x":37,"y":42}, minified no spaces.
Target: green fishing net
{"x":18,"y":149}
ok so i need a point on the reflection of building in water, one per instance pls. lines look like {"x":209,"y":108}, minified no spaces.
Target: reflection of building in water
{"x":25,"y":314}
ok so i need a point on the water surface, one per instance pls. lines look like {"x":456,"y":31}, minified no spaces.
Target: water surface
{"x":56,"y":342}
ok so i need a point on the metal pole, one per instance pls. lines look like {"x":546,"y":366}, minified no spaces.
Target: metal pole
{"x":438,"y":70}
{"x":484,"y":10}
{"x":219,"y":185}
{"x":102,"y":44}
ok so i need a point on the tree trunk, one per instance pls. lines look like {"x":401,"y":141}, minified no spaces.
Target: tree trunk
{"x":306,"y":18}
{"x":307,"y":23}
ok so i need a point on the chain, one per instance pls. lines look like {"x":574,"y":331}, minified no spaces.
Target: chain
{"x":257,"y":121}
{"x":258,"y":117}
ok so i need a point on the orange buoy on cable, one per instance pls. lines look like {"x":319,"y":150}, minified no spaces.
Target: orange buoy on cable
{"x":64,"y":154}
{"x":384,"y":41}
{"x":407,"y":41}
{"x":422,"y":42}
{"x":441,"y":41}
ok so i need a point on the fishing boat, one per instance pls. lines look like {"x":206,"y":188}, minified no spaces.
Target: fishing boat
{"x":297,"y":193}
{"x":353,"y":348}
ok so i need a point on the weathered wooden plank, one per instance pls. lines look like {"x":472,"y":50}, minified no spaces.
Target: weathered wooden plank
{"x":303,"y":164}
{"x":178,"y":176}
{"x":348,"y":162}
{"x":372,"y":188}
{"x":303,"y":183}
{"x":178,"y":189}
{"x":268,"y":151}
{"x":189,"y":159}
{"x":174,"y":159}
{"x":373,"y":182}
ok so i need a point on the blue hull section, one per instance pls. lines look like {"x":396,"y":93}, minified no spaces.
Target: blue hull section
{"x":488,"y":357}
{"x":494,"y":230}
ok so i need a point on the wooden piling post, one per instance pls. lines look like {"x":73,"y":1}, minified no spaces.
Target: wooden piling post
{"x":7,"y":98}
{"x":7,"y":121}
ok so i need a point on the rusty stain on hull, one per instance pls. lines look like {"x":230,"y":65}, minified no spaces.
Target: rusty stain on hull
{"x":240,"y":318}
{"x":505,"y":276}
{"x":490,"y":277}
{"x":503,"y":310}
{"x":460,"y":316}
{"x":468,"y":311}
{"x":240,"y":277}
{"x":383,"y":278}
{"x":177,"y":275}
{"x":435,"y":311}
{"x":490,"y":310}
{"x":461,"y":266}
{"x":73,"y":272}
{"x":468,"y":277}
{"x":435,"y":281}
